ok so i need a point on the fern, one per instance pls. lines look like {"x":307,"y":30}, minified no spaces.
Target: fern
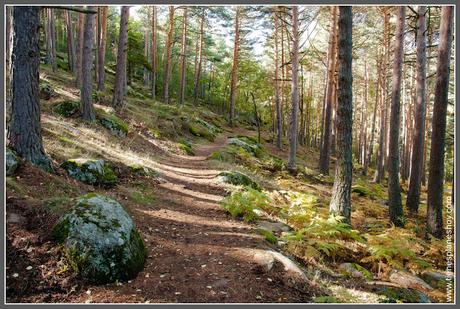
{"x":242,"y":203}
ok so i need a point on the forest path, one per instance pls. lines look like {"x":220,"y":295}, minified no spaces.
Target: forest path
{"x":196,"y":251}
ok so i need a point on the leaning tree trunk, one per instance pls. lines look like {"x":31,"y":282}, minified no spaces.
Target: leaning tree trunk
{"x":234,"y":81}
{"x":70,"y":41}
{"x":394,"y":188}
{"x":87,"y":108}
{"x":120,"y":75}
{"x":413,"y":196}
{"x":183,"y":59}
{"x":326,"y":141}
{"x":101,"y":51}
{"x":279,"y":121}
{"x":341,"y":191}
{"x":295,"y":90}
{"x":25,"y":129}
{"x":438,"y":135}
{"x":168,"y":62}
{"x":80,"y":26}
{"x":154,"y":51}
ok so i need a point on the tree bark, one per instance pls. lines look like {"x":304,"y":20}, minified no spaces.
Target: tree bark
{"x":199,"y":59}
{"x":380,"y":168}
{"x":183,"y":58}
{"x":341,"y":191}
{"x":70,"y":41}
{"x":154,"y":51}
{"x":25,"y":128}
{"x":80,"y":26}
{"x":168,"y":55}
{"x":101,"y":51}
{"x":428,"y":119}
{"x":295,"y":91}
{"x":87,"y":108}
{"x":120,"y":76}
{"x":234,"y":81}
{"x":413,"y":195}
{"x":438,"y":136}
{"x":50,"y":39}
{"x":279,"y":123}
{"x":394,"y":188}
{"x":326,"y":142}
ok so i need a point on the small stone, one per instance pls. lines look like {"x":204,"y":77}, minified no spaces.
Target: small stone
{"x":203,"y":266}
{"x":270,"y":279}
{"x":88,"y":292}
{"x":177,"y":293}
{"x":15,"y":275}
{"x":209,"y":287}
{"x":29,"y":267}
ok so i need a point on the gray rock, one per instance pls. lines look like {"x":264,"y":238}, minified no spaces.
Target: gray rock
{"x":355,"y":271}
{"x":11,"y":161}
{"x":273,"y":227}
{"x":436,"y":279}
{"x":406,"y":280}
{"x":237,"y":179}
{"x":100,"y":240}
{"x":93,"y":172}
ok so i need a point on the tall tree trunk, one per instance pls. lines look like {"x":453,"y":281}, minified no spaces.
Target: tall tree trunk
{"x":380,"y":168}
{"x":234,"y":81}
{"x":199,"y":56}
{"x":341,"y":191}
{"x":9,"y":45}
{"x":146,"y":54}
{"x":370,"y":150}
{"x":427,"y":114}
{"x":80,"y":26}
{"x":279,"y":124}
{"x":295,"y":90}
{"x":413,"y":195}
{"x":154,"y":51}
{"x":326,"y":142}
{"x":50,"y":39}
{"x":70,"y":41}
{"x":120,"y":76}
{"x":87,"y":108}
{"x":168,"y":55}
{"x":183,"y":58}
{"x":438,"y":136}
{"x":101,"y":51}
{"x":25,"y":128}
{"x":394,"y":188}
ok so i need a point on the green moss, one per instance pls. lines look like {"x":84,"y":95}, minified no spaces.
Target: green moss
{"x":248,"y":144}
{"x":326,"y":299}
{"x":361,"y":190}
{"x":58,"y":204}
{"x":93,"y":172}
{"x":402,"y":295}
{"x":142,"y":197}
{"x":61,"y":230}
{"x":238,"y":179}
{"x":198,"y":129}
{"x":66,"y":108}
{"x":268,"y":236}
{"x":141,"y":170}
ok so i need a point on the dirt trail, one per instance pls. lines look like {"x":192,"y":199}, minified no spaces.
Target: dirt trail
{"x":197,"y":253}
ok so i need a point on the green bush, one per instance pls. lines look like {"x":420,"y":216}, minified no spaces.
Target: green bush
{"x":242,"y":203}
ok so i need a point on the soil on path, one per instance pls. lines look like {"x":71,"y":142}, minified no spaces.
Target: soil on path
{"x":196,"y":251}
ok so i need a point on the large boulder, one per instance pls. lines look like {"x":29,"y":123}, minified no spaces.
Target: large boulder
{"x":100,"y":240}
{"x":93,"y":172}
{"x":238,"y":179}
{"x":11,"y":161}
{"x":248,"y":144}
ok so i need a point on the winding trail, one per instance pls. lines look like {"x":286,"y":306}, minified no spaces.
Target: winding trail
{"x":196,"y":251}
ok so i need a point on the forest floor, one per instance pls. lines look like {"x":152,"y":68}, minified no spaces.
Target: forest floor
{"x":197,"y":252}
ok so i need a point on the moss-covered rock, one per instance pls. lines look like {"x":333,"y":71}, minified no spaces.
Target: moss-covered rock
{"x":238,"y":179}
{"x":115,"y":125}
{"x":144,"y":171}
{"x":11,"y":161}
{"x":93,"y":172}
{"x":355,"y":270}
{"x":187,"y":147}
{"x":46,"y":91}
{"x":248,"y":144}
{"x":100,"y":240}
{"x":361,"y":190}
{"x":402,"y":295}
{"x":67,"y":108}
{"x":201,"y":128}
